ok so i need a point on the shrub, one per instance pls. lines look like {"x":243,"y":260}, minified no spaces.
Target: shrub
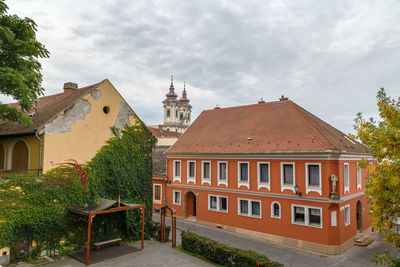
{"x":223,"y":254}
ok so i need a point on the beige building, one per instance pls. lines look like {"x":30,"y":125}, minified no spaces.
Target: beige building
{"x":73,"y":124}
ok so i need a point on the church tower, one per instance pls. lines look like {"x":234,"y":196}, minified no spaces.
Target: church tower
{"x":176,"y":112}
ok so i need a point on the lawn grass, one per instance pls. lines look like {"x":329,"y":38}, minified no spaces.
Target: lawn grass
{"x":181,"y":249}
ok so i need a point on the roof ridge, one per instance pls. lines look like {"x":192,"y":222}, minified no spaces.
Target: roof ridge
{"x":305,"y":119}
{"x":308,"y":124}
{"x":244,"y":106}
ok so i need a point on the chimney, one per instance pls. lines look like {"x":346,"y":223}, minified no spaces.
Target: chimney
{"x":70,"y":87}
{"x":283,"y":98}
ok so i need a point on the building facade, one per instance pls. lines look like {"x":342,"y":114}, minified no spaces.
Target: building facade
{"x":271,"y":170}
{"x":73,"y":124}
{"x":176,"y":112}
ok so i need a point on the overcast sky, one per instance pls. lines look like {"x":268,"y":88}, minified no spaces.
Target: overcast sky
{"x":330,"y":57}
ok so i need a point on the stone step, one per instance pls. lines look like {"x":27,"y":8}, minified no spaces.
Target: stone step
{"x":363,"y":239}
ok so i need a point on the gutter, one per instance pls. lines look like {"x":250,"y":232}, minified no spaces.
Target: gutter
{"x":40,"y":152}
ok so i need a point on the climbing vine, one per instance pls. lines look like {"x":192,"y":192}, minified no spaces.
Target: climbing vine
{"x":34,"y":209}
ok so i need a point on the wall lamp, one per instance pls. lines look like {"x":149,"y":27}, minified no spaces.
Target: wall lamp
{"x":296,"y":189}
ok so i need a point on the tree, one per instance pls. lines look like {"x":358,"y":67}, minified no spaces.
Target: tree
{"x":20,"y":75}
{"x":383,"y":182}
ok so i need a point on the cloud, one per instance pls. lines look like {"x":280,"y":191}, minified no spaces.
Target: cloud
{"x":329,"y":57}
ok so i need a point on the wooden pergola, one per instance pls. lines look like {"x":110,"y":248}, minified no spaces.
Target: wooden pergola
{"x":106,"y":206}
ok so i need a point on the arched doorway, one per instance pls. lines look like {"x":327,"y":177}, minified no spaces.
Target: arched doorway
{"x":2,"y":156}
{"x":359,"y":216}
{"x":190,"y":205}
{"x":20,"y":156}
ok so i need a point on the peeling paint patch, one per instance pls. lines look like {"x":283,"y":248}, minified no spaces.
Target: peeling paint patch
{"x":96,"y":94}
{"x":63,"y":122}
{"x":123,"y":115}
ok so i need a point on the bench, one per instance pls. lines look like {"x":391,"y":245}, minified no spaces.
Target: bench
{"x":99,"y":244}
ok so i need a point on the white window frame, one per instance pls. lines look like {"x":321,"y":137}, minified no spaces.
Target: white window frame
{"x":177,"y":178}
{"x":313,"y":188}
{"x":205,"y":180}
{"x":272,"y":210}
{"x":263,"y":184}
{"x":288,"y":186}
{"x":218,"y":170}
{"x":241,"y":183}
{"x":249,"y":208}
{"x":191,"y":179}
{"x":306,"y":216}
{"x":154,"y":194}
{"x":180,"y":197}
{"x":347,"y":208}
{"x":346,"y":188}
{"x":218,"y":209}
{"x":359,"y":177}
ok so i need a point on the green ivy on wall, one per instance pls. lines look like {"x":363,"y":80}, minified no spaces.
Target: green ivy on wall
{"x":35,"y":209}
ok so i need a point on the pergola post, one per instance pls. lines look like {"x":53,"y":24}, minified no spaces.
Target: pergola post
{"x":88,"y":238}
{"x":143,"y":226}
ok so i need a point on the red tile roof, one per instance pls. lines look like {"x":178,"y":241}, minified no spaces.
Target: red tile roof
{"x":159,"y":132}
{"x":270,"y":127}
{"x":48,"y":107}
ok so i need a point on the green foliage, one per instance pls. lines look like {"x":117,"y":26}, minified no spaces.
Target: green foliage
{"x":383,"y":182}
{"x":20,"y":75}
{"x":123,"y":167}
{"x":383,"y":185}
{"x":223,"y":254}
{"x":35,"y":210}
{"x":153,"y":229}
{"x":386,"y":259}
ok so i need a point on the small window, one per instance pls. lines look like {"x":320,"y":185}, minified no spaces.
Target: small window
{"x":275,"y":210}
{"x":263,"y":169}
{"x":157,"y":192}
{"x":313,"y":175}
{"x":217,"y":203}
{"x":177,"y":197}
{"x":191,"y":170}
{"x":181,"y":116}
{"x":213,"y":202}
{"x":206,"y":170}
{"x":358,"y":176}
{"x":346,"y":177}
{"x":255,"y":208}
{"x":244,"y":171}
{"x":250,"y":208}
{"x":222,"y":172}
{"x":223,"y":204}
{"x":176,"y":113}
{"x":168,"y":114}
{"x":4,"y":253}
{"x":299,"y":215}
{"x":347,"y":215}
{"x":244,"y":207}
{"x":288,"y":174}
{"x":315,"y":216}
{"x":106,"y":109}
{"x":177,"y":170}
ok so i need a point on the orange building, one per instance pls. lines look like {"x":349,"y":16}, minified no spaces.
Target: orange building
{"x":271,"y":170}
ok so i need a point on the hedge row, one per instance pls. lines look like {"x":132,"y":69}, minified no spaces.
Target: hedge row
{"x":223,"y":254}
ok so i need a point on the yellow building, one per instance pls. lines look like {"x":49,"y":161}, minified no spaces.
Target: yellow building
{"x":73,"y":124}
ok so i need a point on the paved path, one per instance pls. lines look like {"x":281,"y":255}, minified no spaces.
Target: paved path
{"x":289,"y":256}
{"x":154,"y":254}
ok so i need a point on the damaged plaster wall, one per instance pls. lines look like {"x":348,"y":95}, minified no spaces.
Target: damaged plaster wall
{"x":96,"y":94}
{"x":63,"y":122}
{"x":123,"y":115}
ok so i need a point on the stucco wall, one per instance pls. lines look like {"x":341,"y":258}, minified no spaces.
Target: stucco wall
{"x":82,"y":130}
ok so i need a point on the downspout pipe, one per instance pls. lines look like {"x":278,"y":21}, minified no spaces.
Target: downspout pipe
{"x":40,"y":152}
